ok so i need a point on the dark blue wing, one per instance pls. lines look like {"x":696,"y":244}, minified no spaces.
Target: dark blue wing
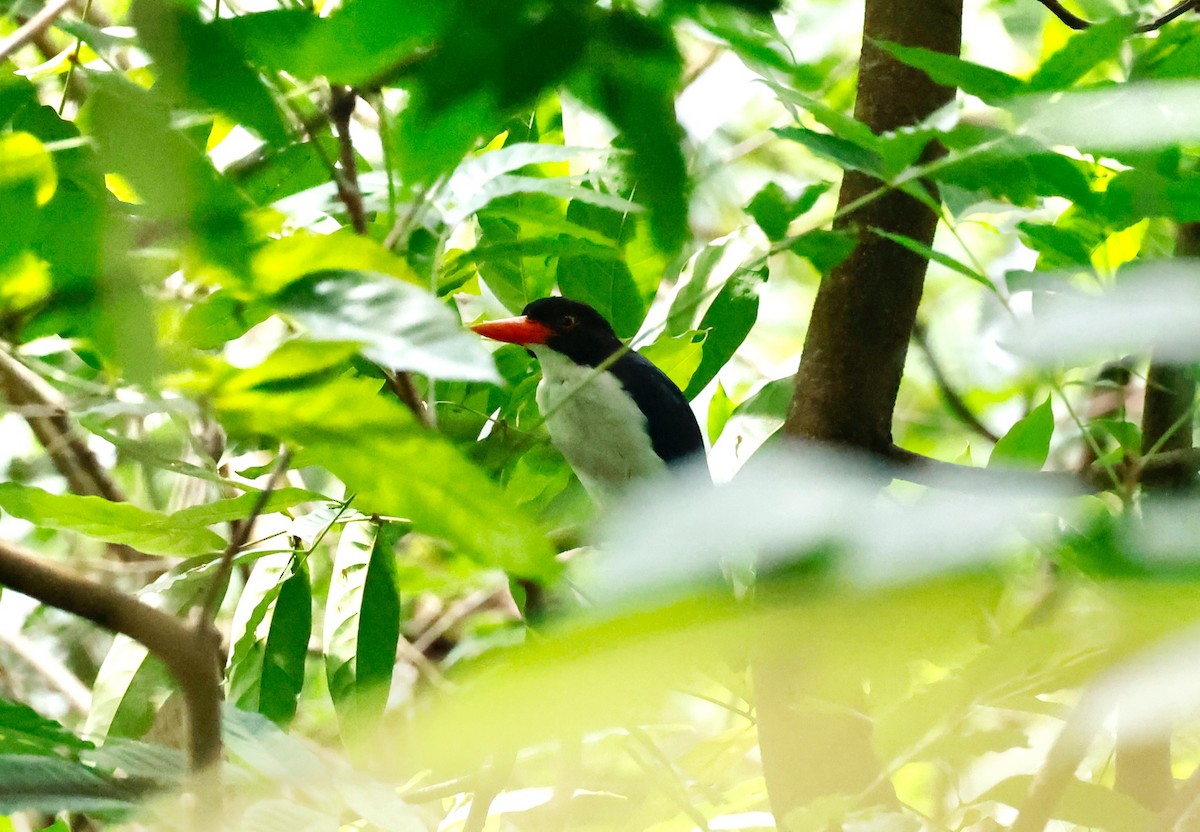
{"x":673,"y":430}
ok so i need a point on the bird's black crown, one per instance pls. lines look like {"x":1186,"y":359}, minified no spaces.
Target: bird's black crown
{"x":580,"y":332}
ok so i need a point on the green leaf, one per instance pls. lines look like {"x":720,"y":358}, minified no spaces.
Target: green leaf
{"x":201,"y":62}
{"x":774,"y":210}
{"x":1083,"y":52}
{"x":239,"y":508}
{"x":676,"y":355}
{"x":1027,"y":443}
{"x":177,"y":182}
{"x":146,"y":531}
{"x":842,"y":152}
{"x":824,"y":249}
{"x":25,"y":731}
{"x":936,"y":256}
{"x":365,"y":439}
{"x":515,"y":276}
{"x":362,"y":41}
{"x":362,"y":621}
{"x":605,"y":283}
{"x":398,"y":325}
{"x":990,"y":85}
{"x":266,"y":674}
{"x":728,"y":321}
{"x":720,"y":408}
{"x":635,"y":72}
{"x":50,"y":785}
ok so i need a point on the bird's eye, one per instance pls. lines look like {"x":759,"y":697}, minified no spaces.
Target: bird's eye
{"x":569,"y":322}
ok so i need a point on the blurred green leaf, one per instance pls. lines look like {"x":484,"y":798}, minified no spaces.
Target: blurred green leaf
{"x":50,"y":785}
{"x":146,"y":531}
{"x":365,"y":439}
{"x":25,"y":731}
{"x":1083,"y":52}
{"x":198,"y":61}
{"x":135,"y":139}
{"x":361,"y":42}
{"x":1027,"y":443}
{"x":634,"y":73}
{"x":398,"y":325}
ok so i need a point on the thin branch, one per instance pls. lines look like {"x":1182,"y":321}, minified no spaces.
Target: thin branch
{"x":1076,"y":22}
{"x":1064,"y":758}
{"x":51,"y":669}
{"x":341,"y":108}
{"x":191,"y":654}
{"x":46,"y":412}
{"x":953,"y":400}
{"x":401,"y":385}
{"x":237,"y":540}
{"x":33,"y":27}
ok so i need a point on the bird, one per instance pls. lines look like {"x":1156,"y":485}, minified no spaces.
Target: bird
{"x":614,"y":426}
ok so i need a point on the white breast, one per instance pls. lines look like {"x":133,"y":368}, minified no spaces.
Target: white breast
{"x":595,"y":424}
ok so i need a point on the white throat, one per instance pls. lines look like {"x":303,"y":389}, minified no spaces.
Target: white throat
{"x":595,"y":424}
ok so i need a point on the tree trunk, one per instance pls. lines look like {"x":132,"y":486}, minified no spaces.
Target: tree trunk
{"x":846,"y":390}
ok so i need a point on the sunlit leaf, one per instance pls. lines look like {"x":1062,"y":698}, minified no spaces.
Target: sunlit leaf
{"x":24,"y":159}
{"x":678,"y":356}
{"x":146,"y":531}
{"x":1027,"y":443}
{"x":398,"y":325}
{"x":362,"y":623}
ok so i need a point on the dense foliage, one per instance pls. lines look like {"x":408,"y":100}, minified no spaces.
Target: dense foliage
{"x":238,"y":248}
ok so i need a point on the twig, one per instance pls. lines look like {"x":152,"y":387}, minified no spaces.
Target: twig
{"x":191,"y":654}
{"x":46,"y":412}
{"x":51,"y":669}
{"x":401,"y":384}
{"x":33,"y":27}
{"x":237,"y":540}
{"x":1178,"y":807}
{"x":953,"y":400}
{"x":491,"y":783}
{"x":341,"y":108}
{"x":1064,"y":758}
{"x":1078,"y":23}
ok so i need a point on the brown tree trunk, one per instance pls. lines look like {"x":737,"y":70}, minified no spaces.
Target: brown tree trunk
{"x":846,"y":390}
{"x":865,"y":310}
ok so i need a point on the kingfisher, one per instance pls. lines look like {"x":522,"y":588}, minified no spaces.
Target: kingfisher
{"x":615,"y":425}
